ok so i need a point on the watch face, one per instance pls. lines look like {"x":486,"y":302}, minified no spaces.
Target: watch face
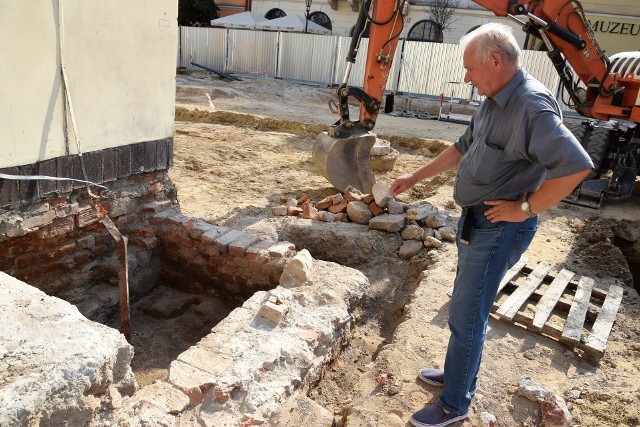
{"x":524,"y":206}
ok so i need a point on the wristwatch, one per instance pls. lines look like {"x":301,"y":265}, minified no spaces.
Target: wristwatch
{"x":526,"y":207}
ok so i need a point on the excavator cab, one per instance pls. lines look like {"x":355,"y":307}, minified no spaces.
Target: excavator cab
{"x":342,"y":152}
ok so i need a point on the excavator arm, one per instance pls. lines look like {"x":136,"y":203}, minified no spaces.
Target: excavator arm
{"x":342,"y":153}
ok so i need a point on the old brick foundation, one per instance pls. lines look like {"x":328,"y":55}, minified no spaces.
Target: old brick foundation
{"x":56,"y":249}
{"x":60,"y":246}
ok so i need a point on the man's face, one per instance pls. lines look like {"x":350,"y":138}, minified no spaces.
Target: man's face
{"x":483,"y":75}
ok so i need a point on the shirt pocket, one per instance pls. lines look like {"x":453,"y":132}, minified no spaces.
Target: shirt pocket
{"x":485,"y":165}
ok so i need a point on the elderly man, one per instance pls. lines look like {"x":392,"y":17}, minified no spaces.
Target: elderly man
{"x":515,"y":160}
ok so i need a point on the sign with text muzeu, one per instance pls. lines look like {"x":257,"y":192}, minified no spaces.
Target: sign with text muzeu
{"x":616,"y":34}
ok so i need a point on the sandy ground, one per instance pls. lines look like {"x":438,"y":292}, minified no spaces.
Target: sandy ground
{"x":233,"y":164}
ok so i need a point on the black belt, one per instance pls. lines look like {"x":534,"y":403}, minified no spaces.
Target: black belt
{"x":467,"y":225}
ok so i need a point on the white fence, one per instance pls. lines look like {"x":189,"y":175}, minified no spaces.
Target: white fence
{"x":418,"y":68}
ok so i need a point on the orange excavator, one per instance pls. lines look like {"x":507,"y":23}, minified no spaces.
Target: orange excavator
{"x":604,"y":90}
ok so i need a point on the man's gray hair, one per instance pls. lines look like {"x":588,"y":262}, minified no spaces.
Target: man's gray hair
{"x":493,"y":38}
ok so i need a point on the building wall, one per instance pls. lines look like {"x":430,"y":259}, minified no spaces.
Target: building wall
{"x":119,"y":66}
{"x":624,"y":37}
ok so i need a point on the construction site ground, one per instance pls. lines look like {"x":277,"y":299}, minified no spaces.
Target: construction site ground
{"x":236,"y":157}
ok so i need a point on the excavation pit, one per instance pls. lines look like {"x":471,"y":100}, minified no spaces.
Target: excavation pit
{"x":225,"y":325}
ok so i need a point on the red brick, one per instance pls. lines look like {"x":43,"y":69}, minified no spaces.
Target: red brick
{"x":53,"y":266}
{"x":39,"y":220}
{"x":303,"y":199}
{"x":216,"y":261}
{"x":86,"y":215}
{"x":145,"y":242}
{"x":294,"y":211}
{"x":124,"y":220}
{"x":66,"y":210}
{"x":368,"y":198}
{"x":141,"y":231}
{"x":239,"y":246}
{"x":339,"y":208}
{"x":188,"y":252}
{"x":156,"y":206}
{"x":309,"y":212}
{"x":375,"y":209}
{"x":61,"y":251}
{"x":81,"y":259}
{"x":258,"y":251}
{"x":242,"y":263}
{"x":324,"y":203}
{"x":27,"y":260}
{"x":58,"y":201}
{"x":58,"y":227}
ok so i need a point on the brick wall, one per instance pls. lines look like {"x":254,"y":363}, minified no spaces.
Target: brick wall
{"x":59,"y":245}
{"x":200,"y":256}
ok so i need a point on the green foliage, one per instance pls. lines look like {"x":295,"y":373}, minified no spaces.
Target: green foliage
{"x":196,"y":13}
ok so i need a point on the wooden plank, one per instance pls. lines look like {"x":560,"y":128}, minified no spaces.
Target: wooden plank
{"x":597,"y":339}
{"x":46,"y":168}
{"x":512,"y":272}
{"x":563,"y":303}
{"x":573,"y":285}
{"x":162,"y":158}
{"x":508,"y":276}
{"x":124,"y":161}
{"x":137,"y":158}
{"x":550,"y":298}
{"x":510,"y":307}
{"x":9,"y":188}
{"x":110,"y":164}
{"x":28,"y":188}
{"x":150,"y":155}
{"x":77,"y":172}
{"x":573,"y":326}
{"x":93,"y":165}
{"x":64,"y":168}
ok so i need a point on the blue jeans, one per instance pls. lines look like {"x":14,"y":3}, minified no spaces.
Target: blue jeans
{"x":493,"y":248}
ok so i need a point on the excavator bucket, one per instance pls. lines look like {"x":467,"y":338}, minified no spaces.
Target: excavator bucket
{"x":345,"y":162}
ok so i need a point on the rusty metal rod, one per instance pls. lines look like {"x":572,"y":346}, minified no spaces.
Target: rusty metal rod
{"x":123,"y":275}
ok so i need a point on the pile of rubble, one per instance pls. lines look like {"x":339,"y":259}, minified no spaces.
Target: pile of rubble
{"x":421,"y":225}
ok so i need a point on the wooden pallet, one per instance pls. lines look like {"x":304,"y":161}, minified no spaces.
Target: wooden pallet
{"x":567,"y":309}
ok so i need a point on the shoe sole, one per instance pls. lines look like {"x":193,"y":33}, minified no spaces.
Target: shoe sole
{"x":428,"y":381}
{"x":446,"y":423}
{"x":438,"y":384}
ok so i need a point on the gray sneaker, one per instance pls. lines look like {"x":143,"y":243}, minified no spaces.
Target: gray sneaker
{"x":435,"y":377}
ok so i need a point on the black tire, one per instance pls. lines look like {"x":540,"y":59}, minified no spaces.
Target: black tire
{"x":595,"y":140}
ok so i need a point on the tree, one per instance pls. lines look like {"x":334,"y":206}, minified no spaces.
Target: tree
{"x":196,"y":13}
{"x":442,"y":12}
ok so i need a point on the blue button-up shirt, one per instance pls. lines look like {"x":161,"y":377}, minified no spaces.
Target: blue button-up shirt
{"x":514,"y":142}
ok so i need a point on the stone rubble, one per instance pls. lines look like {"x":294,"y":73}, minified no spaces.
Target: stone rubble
{"x":421,"y":225}
{"x":553,"y":408}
